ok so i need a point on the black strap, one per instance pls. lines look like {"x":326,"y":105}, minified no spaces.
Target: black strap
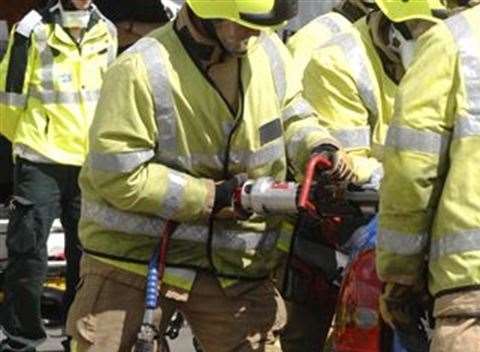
{"x":17,"y":65}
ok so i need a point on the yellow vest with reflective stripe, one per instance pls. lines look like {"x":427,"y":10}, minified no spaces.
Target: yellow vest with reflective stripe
{"x":53,"y":112}
{"x":315,"y":34}
{"x":157,"y":144}
{"x":348,"y":87}
{"x":430,"y":202}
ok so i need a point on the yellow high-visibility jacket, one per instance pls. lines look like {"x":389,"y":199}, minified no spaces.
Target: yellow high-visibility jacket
{"x":430,"y":196}
{"x":347,"y":85}
{"x":158,"y":142}
{"x":49,"y":84}
{"x":315,"y":34}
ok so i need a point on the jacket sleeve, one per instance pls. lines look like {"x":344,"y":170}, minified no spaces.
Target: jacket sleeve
{"x":15,"y":72}
{"x":416,"y":159}
{"x":332,"y":91}
{"x":302,"y":130}
{"x":122,"y":147}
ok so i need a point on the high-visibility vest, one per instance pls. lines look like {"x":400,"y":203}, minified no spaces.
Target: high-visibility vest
{"x":49,"y":84}
{"x":349,"y":88}
{"x":161,"y":136}
{"x":430,"y":200}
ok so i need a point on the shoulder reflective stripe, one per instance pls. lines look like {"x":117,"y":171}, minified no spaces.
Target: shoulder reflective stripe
{"x":13,"y":99}
{"x":176,"y":182}
{"x":355,"y":56}
{"x":467,"y":126}
{"x":401,"y":243}
{"x":57,"y":97}
{"x":358,"y":137}
{"x":28,"y":23}
{"x":228,"y":239}
{"x":46,"y":58}
{"x":150,"y":48}
{"x":333,"y":26}
{"x":119,"y":162}
{"x":300,"y":108}
{"x":276,"y":66}
{"x":460,"y":242}
{"x":117,"y":220}
{"x":405,"y":138}
{"x":469,"y":51}
{"x":298,"y":139}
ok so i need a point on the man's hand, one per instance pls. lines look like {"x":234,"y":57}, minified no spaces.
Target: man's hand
{"x":341,"y":164}
{"x":223,"y":207}
{"x":402,"y":306}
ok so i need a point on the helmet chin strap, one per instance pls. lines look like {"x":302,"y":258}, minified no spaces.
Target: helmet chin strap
{"x":73,"y":18}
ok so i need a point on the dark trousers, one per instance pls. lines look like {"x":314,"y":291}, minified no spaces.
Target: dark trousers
{"x":42,"y":192}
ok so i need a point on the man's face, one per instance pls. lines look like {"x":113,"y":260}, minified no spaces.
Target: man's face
{"x":234,"y":37}
{"x":81,"y":4}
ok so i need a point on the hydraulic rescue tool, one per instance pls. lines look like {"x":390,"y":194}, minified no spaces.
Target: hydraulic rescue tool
{"x":314,"y":197}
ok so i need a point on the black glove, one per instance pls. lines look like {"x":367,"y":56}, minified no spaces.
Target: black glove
{"x":341,"y":169}
{"x":225,"y":190}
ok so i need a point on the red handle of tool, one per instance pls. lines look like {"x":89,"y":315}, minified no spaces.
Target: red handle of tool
{"x":317,"y":161}
{"x":169,"y":228}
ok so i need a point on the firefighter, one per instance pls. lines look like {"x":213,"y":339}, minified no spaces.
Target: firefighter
{"x":351,"y":82}
{"x":183,"y":113}
{"x":429,"y":206}
{"x":321,"y":29}
{"x":50,"y":81}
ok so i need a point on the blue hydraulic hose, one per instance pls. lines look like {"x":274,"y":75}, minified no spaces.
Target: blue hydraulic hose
{"x":151,"y":291}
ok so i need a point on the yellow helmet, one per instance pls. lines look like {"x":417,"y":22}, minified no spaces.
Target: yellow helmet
{"x":256,"y":14}
{"x":404,"y":10}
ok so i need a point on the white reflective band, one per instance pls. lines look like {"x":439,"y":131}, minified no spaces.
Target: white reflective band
{"x":301,"y":108}
{"x":460,"y":242}
{"x":355,"y":56}
{"x":28,"y":23}
{"x":406,"y":138}
{"x":330,"y":23}
{"x":298,"y":138}
{"x":117,"y":220}
{"x":469,"y":51}
{"x":276,"y":66}
{"x":119,"y":162}
{"x":165,"y":114}
{"x":401,"y":243}
{"x":176,"y":182}
{"x":467,"y":126}
{"x":357,"y":137}
{"x":13,"y":99}
{"x":58,"y":97}
{"x":268,"y":154}
{"x":239,"y":240}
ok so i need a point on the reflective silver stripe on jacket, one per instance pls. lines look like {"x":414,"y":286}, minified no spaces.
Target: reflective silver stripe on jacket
{"x":298,"y":138}
{"x":300,"y":108}
{"x":165,"y":113}
{"x":239,"y":240}
{"x":356,"y":137}
{"x":176,"y":182}
{"x":59,"y":97}
{"x":13,"y":99}
{"x":277,"y":67}
{"x":117,"y":220}
{"x":469,"y":51}
{"x":330,"y":23}
{"x":271,"y":152}
{"x":119,"y":162}
{"x":401,"y":243}
{"x":405,"y":138}
{"x":46,"y":58}
{"x":466,"y":126}
{"x":460,"y":242}
{"x":355,"y":56}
